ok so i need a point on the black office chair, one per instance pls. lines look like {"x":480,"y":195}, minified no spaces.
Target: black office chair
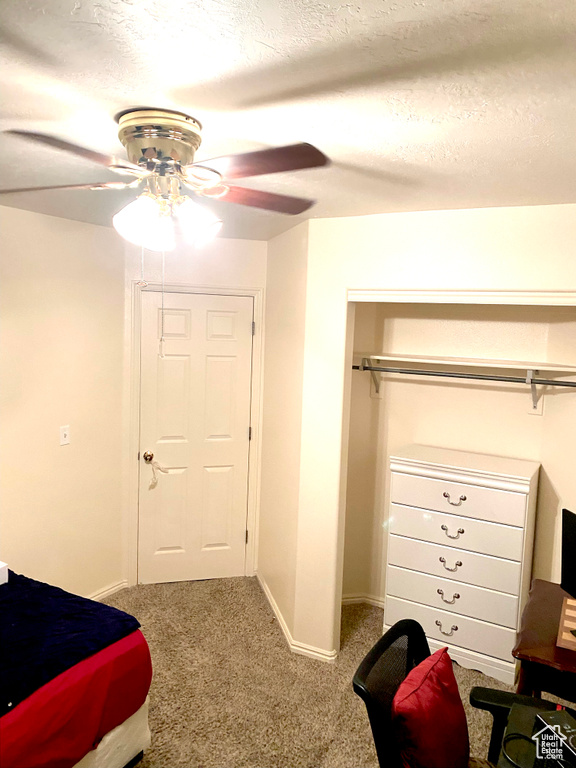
{"x":378,"y":678}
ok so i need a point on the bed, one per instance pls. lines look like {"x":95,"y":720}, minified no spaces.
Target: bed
{"x":74,"y":680}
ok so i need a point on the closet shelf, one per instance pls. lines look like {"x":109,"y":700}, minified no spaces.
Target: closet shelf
{"x":469,"y":362}
{"x":532,"y":370}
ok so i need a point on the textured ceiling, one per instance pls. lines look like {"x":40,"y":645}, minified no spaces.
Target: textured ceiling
{"x":420,"y":104}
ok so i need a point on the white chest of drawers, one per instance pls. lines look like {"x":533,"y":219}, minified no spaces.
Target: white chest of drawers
{"x":460,"y":537}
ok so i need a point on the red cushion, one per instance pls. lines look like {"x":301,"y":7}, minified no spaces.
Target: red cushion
{"x":429,"y":718}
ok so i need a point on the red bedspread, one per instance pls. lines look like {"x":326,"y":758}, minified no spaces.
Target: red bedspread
{"x":66,"y":718}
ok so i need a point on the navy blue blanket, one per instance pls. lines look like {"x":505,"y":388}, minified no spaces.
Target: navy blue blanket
{"x":44,"y":631}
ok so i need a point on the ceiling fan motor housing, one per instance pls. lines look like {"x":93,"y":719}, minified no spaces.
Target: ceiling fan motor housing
{"x":159,"y":135}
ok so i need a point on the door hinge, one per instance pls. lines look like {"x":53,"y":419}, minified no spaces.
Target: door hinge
{"x":253,"y":329}
{"x":138,"y":455}
{"x":246,"y":536}
{"x":249,"y":433}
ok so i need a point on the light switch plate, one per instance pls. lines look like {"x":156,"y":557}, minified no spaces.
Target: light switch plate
{"x":65,"y":435}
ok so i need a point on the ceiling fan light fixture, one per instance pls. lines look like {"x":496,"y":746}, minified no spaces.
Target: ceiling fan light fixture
{"x":161,"y":146}
{"x":146,"y":222}
{"x":152,"y":221}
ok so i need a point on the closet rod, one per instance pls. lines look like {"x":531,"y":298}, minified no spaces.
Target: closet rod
{"x":480,"y":376}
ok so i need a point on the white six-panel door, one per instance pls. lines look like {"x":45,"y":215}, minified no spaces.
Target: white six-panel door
{"x":194,"y":419}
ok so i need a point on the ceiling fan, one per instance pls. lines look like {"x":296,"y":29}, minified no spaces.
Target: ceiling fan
{"x":161,"y":145}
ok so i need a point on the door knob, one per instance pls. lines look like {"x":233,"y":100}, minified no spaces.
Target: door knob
{"x":148,"y":457}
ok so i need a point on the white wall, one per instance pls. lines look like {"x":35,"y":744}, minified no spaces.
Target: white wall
{"x":283,"y":361}
{"x":501,"y":249}
{"x":62,"y":336}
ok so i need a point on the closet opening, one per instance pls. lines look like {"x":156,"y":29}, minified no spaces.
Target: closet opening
{"x":481,"y":417}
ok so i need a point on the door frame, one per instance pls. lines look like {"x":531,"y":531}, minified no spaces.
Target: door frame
{"x":131,"y":419}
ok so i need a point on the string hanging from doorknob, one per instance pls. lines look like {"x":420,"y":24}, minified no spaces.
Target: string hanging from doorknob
{"x":156,"y":467}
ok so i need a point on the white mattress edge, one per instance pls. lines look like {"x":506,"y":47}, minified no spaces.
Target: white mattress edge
{"x":120,"y":744}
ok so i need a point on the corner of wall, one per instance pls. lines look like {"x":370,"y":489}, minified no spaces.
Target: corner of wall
{"x":286,"y":281}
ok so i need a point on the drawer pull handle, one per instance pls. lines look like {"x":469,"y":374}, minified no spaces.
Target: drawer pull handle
{"x":454,"y":503}
{"x":455,"y":597}
{"x":453,"y":629}
{"x":445,"y":529}
{"x":443,"y":561}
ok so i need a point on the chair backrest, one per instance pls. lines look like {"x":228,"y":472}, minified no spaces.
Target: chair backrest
{"x":378,"y":678}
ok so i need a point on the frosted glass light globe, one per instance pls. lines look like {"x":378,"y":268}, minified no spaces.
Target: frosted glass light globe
{"x":143,"y":222}
{"x":197,"y":224}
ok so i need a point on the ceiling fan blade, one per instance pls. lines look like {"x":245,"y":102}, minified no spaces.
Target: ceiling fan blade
{"x":269,"y":201}
{"x":97,"y":185}
{"x":293,"y":157}
{"x":87,"y":154}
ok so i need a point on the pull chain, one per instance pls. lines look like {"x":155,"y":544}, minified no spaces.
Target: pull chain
{"x":162,"y":306}
{"x":142,"y":283}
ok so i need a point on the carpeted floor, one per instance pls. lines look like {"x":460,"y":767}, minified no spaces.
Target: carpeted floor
{"x":228,"y":693}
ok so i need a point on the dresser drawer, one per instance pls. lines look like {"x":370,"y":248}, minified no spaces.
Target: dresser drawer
{"x":454,"y":630}
{"x":480,"y":570}
{"x":476,"y":602}
{"x":455,"y":531}
{"x":465,"y":500}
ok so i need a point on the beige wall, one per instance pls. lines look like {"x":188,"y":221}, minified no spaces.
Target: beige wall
{"x":362,"y":553}
{"x":66,"y":359}
{"x":502,"y":249}
{"x":62,"y":336}
{"x":480,"y":417}
{"x":282,"y":407}
{"x":220,"y":263}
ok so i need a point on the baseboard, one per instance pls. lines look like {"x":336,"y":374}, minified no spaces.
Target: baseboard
{"x":362,"y":598}
{"x":275,"y":610}
{"x":101,"y":594}
{"x":312,"y":652}
{"x":296,"y":647}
